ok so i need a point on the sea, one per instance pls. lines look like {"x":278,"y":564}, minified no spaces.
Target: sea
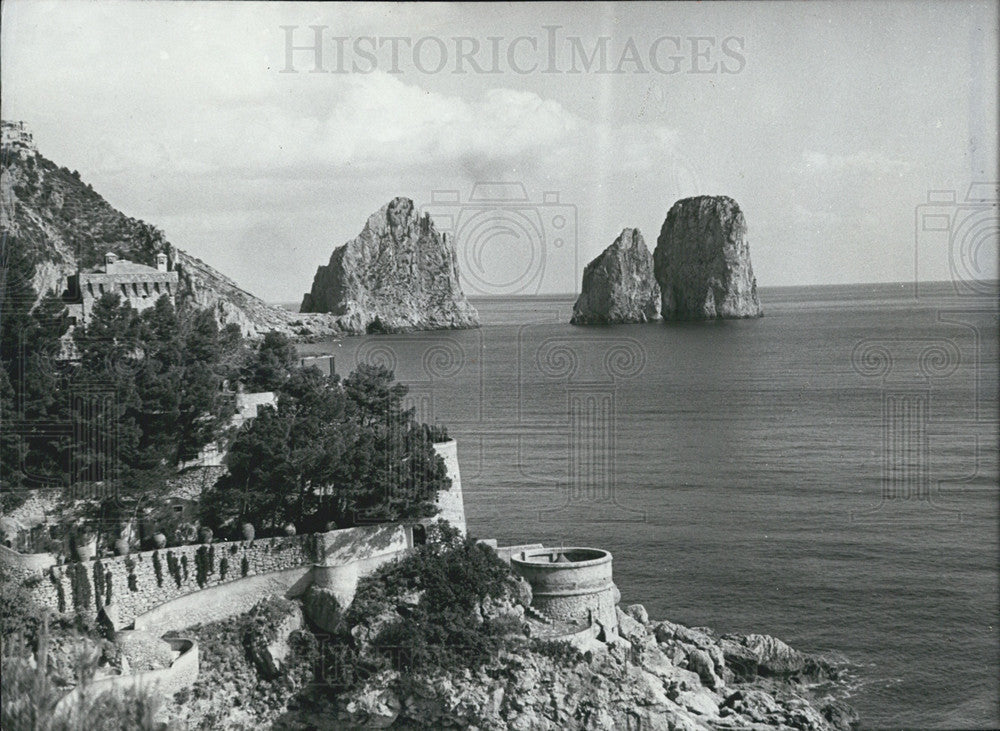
{"x":826,"y":474}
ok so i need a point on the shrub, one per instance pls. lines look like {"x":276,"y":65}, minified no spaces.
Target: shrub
{"x":19,"y":615}
{"x":98,"y":585}
{"x":174,"y":567}
{"x":133,"y":583}
{"x":444,"y":630}
{"x":80,"y":584}
{"x":158,"y":568}
{"x":201,"y":566}
{"x":562,"y":653}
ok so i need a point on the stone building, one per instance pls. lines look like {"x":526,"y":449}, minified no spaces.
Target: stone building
{"x":16,"y":134}
{"x":572,"y":585}
{"x":137,"y":284}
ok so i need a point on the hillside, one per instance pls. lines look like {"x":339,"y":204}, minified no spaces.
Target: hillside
{"x":66,"y":224}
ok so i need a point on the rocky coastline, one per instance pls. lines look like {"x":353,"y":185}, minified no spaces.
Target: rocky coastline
{"x":659,"y":675}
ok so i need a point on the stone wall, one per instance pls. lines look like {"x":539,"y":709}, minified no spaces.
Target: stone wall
{"x":142,"y":581}
{"x":182,"y":673}
{"x":177,"y":587}
{"x":451,"y":505}
{"x":25,"y":564}
{"x":224,"y":600}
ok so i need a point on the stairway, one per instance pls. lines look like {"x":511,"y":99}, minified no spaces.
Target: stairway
{"x":538,"y":615}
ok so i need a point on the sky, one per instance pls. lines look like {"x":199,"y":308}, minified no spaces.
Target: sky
{"x":534,"y":133}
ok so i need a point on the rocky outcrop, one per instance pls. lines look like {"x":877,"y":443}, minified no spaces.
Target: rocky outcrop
{"x":67,"y":225}
{"x":398,"y":275}
{"x":207,"y":288}
{"x":660,"y":675}
{"x":619,"y":286}
{"x":702,"y":261}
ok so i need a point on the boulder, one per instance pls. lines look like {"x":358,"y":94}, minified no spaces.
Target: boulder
{"x":775,"y":659}
{"x":322,"y":608}
{"x":702,"y":262}
{"x":700,"y":662}
{"x":628,"y":627}
{"x":756,"y":705}
{"x":638,"y":613}
{"x":619,"y":286}
{"x":399,"y":274}
{"x":740,"y":660}
{"x":840,"y":715}
{"x":375,"y":705}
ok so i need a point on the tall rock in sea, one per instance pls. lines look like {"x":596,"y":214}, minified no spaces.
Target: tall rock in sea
{"x":702,"y":261}
{"x":619,"y":286}
{"x":398,"y":275}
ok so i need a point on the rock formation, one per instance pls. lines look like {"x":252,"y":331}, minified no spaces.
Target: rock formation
{"x":618,"y":286}
{"x":702,"y":261}
{"x":398,"y":275}
{"x":661,"y":675}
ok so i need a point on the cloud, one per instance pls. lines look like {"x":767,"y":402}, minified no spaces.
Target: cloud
{"x":377,"y":124}
{"x":867,"y":161}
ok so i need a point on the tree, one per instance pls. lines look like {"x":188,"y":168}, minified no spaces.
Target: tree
{"x":279,"y":463}
{"x":30,"y":332}
{"x":105,"y":402}
{"x":271,"y":364}
{"x":163,"y":373}
{"x":397,"y":472}
{"x":345,"y":453}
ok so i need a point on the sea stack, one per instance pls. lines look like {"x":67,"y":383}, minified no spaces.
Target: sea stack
{"x":398,"y":275}
{"x":619,"y":286}
{"x":702,"y":261}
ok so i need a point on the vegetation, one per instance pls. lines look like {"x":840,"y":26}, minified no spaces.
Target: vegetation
{"x":235,"y":672}
{"x":270,"y":364}
{"x":331,"y":452}
{"x":30,"y":690}
{"x":157,"y":376}
{"x":444,"y":629}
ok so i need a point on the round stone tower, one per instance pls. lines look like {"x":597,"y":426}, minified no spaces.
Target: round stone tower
{"x":571,"y":584}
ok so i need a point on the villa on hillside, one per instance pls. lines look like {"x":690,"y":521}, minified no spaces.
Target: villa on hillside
{"x":139,"y":285}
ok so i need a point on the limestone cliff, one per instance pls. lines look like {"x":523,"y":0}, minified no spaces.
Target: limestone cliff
{"x":702,"y":261}
{"x":65,"y":223}
{"x":619,"y":286}
{"x":399,"y":274}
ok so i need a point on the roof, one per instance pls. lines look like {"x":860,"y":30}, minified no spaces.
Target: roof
{"x":124,"y":266}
